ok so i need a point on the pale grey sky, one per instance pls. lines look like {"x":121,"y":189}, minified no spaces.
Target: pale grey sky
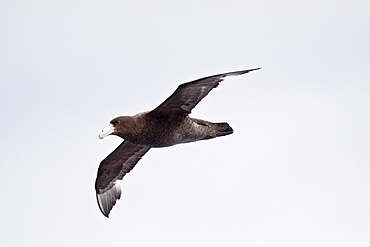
{"x":295,"y":172}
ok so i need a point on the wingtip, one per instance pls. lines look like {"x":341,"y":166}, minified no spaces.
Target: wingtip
{"x":107,"y":199}
{"x":249,"y":70}
{"x":240,"y":72}
{"x":106,"y":214}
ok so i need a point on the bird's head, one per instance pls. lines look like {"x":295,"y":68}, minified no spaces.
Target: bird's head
{"x":117,"y":126}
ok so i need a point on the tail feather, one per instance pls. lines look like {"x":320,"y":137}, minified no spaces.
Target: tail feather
{"x":222,"y":129}
{"x":214,"y":129}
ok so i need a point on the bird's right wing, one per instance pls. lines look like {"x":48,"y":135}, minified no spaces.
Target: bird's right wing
{"x":189,"y":94}
{"x":114,"y":167}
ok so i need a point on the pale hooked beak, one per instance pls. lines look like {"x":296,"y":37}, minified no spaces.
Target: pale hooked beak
{"x":107,"y":131}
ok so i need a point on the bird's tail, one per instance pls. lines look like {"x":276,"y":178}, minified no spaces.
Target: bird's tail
{"x":214,"y":129}
{"x":222,"y":129}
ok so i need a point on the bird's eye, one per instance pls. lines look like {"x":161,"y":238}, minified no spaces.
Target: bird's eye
{"x":116,"y":122}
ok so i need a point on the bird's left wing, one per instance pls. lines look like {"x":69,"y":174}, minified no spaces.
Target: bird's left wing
{"x":114,"y":167}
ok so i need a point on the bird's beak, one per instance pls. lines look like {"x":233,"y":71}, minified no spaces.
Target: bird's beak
{"x":107,"y":131}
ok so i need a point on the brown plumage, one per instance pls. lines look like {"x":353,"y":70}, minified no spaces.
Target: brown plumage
{"x":166,"y":125}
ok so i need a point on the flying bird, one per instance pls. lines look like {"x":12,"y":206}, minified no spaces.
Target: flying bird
{"x":168,"y":124}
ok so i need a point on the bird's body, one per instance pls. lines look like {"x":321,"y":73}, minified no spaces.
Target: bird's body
{"x":168,"y":124}
{"x":160,"y":131}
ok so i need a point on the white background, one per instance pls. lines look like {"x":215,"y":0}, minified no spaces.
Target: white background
{"x":295,"y":172}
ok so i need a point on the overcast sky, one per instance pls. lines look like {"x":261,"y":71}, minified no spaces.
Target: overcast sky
{"x":296,"y":171}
